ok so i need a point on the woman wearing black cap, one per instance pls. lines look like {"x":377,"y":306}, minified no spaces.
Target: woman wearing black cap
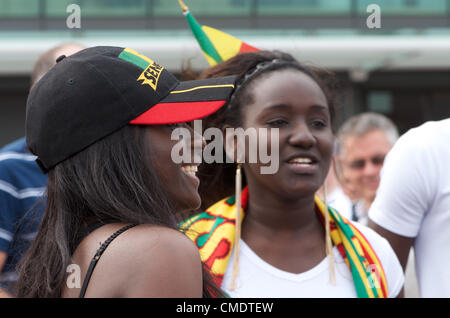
{"x":100,"y":123}
{"x":276,"y":239}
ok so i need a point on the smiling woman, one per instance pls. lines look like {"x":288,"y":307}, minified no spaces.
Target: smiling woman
{"x":276,"y":243}
{"x":100,"y":126}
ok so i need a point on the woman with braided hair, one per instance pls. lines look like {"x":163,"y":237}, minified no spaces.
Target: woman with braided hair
{"x":275,"y":238}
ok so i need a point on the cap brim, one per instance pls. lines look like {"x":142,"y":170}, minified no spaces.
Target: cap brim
{"x":188,"y":101}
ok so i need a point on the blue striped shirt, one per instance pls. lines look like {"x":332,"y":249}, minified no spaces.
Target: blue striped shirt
{"x":22,"y":185}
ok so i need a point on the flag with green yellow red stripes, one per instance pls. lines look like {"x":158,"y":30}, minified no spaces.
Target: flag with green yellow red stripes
{"x":217,"y":46}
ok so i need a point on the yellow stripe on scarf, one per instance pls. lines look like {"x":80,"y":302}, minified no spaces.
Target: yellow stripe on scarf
{"x":213,"y":232}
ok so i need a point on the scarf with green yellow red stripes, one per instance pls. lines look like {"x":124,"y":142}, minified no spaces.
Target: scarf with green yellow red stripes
{"x":213,"y":232}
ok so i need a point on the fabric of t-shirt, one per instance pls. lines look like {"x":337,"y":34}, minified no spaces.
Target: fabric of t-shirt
{"x":413,"y":200}
{"x":359,"y":213}
{"x":259,"y":279}
{"x":340,"y":202}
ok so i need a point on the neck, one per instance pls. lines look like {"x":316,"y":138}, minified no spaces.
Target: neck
{"x":274,"y":213}
{"x":367,"y":204}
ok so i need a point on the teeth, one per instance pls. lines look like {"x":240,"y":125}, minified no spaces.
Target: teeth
{"x":301,"y":161}
{"x":189,"y":169}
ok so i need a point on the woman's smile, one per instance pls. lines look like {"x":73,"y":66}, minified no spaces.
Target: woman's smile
{"x":303,"y":165}
{"x":190,"y":171}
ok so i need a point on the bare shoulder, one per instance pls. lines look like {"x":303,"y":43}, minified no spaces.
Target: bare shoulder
{"x":153,"y":261}
{"x":166,"y":243}
{"x":163,"y":239}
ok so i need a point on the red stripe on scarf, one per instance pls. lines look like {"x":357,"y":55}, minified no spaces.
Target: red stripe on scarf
{"x":371,"y":261}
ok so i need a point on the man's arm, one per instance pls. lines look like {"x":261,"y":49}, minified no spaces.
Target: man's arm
{"x":406,"y":190}
{"x":4,"y":294}
{"x":3,"y":257}
{"x":400,"y":244}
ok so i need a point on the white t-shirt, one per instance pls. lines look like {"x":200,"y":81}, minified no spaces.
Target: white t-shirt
{"x":361,"y":214}
{"x":413,"y":200}
{"x":339,"y":201}
{"x":259,"y":279}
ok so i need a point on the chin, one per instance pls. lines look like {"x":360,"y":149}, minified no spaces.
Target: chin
{"x":369,"y":198}
{"x":298,"y":191}
{"x":191,"y":203}
{"x":305,"y":186}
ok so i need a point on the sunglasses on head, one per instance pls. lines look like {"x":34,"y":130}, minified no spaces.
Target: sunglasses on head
{"x":361,"y":163}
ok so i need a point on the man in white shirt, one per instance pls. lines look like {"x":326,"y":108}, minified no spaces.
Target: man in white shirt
{"x":412,"y":206}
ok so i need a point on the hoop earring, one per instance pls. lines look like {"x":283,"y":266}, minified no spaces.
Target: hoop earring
{"x":328,"y":243}
{"x":238,"y":190}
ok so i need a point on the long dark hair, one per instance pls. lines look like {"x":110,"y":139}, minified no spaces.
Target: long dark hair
{"x":110,"y":181}
{"x":217,"y":180}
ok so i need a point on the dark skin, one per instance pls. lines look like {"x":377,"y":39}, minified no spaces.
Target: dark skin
{"x":180,"y":186}
{"x":281,"y":225}
{"x":282,"y":219}
{"x":176,"y":272}
{"x":401,"y":244}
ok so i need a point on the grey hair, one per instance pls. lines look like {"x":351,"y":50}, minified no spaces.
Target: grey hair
{"x":364,"y":123}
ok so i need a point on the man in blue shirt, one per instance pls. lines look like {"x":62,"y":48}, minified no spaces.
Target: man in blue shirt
{"x":22,"y":185}
{"x":21,"y":206}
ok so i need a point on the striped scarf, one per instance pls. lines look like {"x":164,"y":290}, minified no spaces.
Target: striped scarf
{"x":213,"y":232}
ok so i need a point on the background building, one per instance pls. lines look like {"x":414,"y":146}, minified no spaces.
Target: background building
{"x":401,"y":69}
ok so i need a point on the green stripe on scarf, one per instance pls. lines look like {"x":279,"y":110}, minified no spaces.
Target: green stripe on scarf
{"x":217,"y":233}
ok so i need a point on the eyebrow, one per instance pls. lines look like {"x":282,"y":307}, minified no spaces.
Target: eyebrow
{"x":276,"y":106}
{"x":284,"y":106}
{"x":320,"y":107}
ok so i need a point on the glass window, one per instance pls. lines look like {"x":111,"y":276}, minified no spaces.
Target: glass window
{"x":99,"y":8}
{"x":19,"y":8}
{"x":380,"y":102}
{"x":304,"y":7}
{"x":233,"y":8}
{"x":406,"y":7}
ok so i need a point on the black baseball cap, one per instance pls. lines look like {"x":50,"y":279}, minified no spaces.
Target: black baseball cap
{"x":96,"y":91}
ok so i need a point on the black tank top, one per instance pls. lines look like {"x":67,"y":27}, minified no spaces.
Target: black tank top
{"x":99,"y":252}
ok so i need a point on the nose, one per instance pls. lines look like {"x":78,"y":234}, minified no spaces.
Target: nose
{"x":302,"y":137}
{"x":371,"y":170}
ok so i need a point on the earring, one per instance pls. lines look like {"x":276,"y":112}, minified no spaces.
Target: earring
{"x":238,"y":190}
{"x":328,"y":243}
